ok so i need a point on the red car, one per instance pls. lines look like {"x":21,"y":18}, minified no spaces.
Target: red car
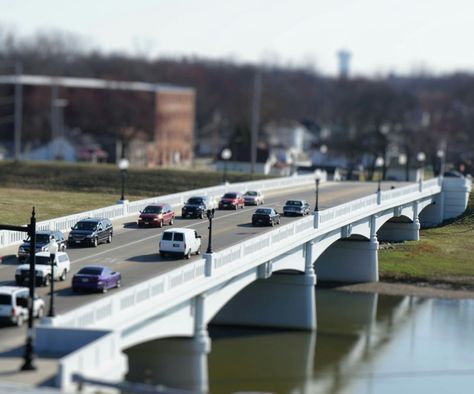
{"x":232,"y":200}
{"x":156,"y":215}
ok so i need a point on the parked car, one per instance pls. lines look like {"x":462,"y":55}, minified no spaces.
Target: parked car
{"x":43,"y":239}
{"x":180,"y":241}
{"x":252,"y":197}
{"x":156,"y":215}
{"x":265,"y":217}
{"x":96,"y":278}
{"x":232,"y":200}
{"x":14,"y":305}
{"x":62,"y":265}
{"x":91,"y":231}
{"x":296,"y":207}
{"x":197,"y":206}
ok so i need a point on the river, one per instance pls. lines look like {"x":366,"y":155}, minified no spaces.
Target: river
{"x":364,"y":343}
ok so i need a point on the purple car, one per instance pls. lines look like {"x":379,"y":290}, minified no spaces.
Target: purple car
{"x":96,"y":278}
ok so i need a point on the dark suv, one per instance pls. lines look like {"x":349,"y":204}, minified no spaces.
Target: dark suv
{"x":91,"y":231}
{"x":196,"y":207}
{"x":43,"y":238}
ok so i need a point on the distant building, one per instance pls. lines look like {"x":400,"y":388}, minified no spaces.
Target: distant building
{"x":344,"y":57}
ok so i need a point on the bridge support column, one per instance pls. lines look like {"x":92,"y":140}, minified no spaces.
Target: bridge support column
{"x":179,"y":362}
{"x":399,"y":231}
{"x":282,"y":301}
{"x":349,"y":261}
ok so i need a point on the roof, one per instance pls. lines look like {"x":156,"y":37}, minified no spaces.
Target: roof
{"x":10,"y":289}
{"x":179,"y":230}
{"x":93,"y":266}
{"x":92,"y":83}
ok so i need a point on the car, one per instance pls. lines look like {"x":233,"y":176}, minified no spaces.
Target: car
{"x":91,"y":231}
{"x":156,"y":215}
{"x":62,"y":266}
{"x":43,"y":239}
{"x":232,"y":200}
{"x":196,"y":207}
{"x":96,"y":278}
{"x":265,"y":217}
{"x":181,"y":242}
{"x":296,"y":207}
{"x":14,"y":305}
{"x":252,"y":197}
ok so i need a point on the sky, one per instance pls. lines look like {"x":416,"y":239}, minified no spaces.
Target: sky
{"x":383,"y":36}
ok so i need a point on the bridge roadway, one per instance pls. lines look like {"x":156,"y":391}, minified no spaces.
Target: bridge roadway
{"x":134,"y":251}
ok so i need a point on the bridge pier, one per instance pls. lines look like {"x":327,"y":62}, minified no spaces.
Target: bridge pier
{"x":349,"y":260}
{"x":284,"y":300}
{"x":399,"y":231}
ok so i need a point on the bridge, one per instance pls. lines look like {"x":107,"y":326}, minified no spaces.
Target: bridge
{"x":273,"y":271}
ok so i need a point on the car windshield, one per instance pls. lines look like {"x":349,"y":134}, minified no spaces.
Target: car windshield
{"x":195,"y":201}
{"x":5,"y":299}
{"x":41,"y":260}
{"x":294,"y":203}
{"x":230,"y":195}
{"x":251,"y":194}
{"x":90,"y":271}
{"x":85,"y":226}
{"x":263,"y":211}
{"x":152,"y":209}
{"x":40,"y":238}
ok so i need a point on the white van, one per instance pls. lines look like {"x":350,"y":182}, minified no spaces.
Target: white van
{"x":180,"y":241}
{"x":14,"y":305}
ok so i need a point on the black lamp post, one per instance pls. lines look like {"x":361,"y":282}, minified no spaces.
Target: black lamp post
{"x":421,"y":159}
{"x":52,"y":249}
{"x":316,"y":204}
{"x":123,"y":165}
{"x":210,"y":216}
{"x":226,"y":154}
{"x":29,"y":356}
{"x":379,"y":163}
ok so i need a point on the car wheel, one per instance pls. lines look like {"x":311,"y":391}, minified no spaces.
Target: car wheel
{"x":171,"y":221}
{"x":119,"y":284}
{"x":19,"y":320}
{"x":63,"y":247}
{"x":198,"y":252}
{"x":160,"y":223}
{"x":95,"y":242}
{"x":63,"y":276}
{"x":278,"y":221}
{"x":40,"y":313}
{"x":109,"y":239}
{"x":104,"y":289}
{"x":272,"y":223}
{"x":46,"y":280}
{"x":140,"y":225}
{"x":201,"y":215}
{"x":187,"y":255}
{"x":19,"y":282}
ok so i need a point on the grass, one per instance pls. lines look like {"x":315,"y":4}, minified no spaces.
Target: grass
{"x":443,"y":254}
{"x":58,"y":189}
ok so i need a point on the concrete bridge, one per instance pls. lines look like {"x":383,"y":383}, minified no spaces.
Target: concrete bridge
{"x":265,"y":281}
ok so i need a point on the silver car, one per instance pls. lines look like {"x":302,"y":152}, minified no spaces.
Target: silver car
{"x":253,"y":197}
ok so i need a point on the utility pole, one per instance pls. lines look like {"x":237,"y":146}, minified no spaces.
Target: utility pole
{"x":18,"y":110}
{"x":54,"y":119}
{"x":257,"y":92}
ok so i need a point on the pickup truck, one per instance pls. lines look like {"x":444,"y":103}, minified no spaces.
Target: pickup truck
{"x":62,"y":265}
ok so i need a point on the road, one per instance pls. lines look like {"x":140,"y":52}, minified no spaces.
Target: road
{"x":134,"y":251}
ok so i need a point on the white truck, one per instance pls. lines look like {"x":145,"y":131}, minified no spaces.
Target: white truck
{"x":180,"y":241}
{"x":62,"y":265}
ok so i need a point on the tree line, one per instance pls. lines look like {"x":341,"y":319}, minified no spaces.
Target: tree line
{"x":358,"y":116}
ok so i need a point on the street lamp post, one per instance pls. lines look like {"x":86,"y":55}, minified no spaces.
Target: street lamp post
{"x":123,"y":165}
{"x":441,"y":156}
{"x":52,"y":249}
{"x":210,"y":216}
{"x":226,"y":154}
{"x":316,"y":204}
{"x":421,"y":159}
{"x":379,"y":163}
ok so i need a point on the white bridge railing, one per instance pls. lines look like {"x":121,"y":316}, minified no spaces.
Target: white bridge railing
{"x":122,"y":210}
{"x":111,"y":311}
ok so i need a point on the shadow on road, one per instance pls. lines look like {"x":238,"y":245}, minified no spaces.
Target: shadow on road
{"x":145,"y":258}
{"x":130,"y":225}
{"x":9,"y":259}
